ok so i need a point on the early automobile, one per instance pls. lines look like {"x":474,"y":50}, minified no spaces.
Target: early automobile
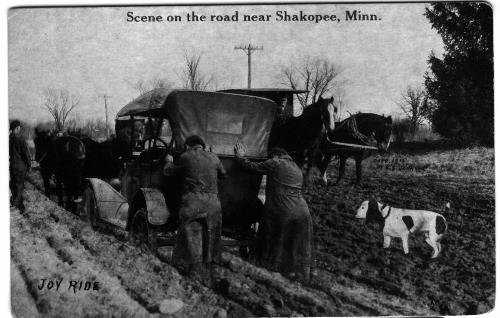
{"x":145,"y":202}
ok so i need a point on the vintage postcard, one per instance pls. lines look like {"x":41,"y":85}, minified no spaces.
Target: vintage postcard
{"x":236,"y":160}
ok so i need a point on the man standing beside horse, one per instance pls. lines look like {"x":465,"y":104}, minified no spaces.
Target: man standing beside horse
{"x":20,"y":163}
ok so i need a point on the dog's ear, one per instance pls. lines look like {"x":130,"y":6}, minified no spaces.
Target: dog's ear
{"x":373,"y":214}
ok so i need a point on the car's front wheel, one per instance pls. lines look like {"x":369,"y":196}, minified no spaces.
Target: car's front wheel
{"x":142,"y":233}
{"x":89,"y":206}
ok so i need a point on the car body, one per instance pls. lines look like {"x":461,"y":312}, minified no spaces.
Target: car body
{"x":146,"y":196}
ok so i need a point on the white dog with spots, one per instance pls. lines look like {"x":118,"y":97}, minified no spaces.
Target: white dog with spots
{"x":401,"y":223}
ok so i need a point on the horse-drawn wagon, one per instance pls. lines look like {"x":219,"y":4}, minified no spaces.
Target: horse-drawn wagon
{"x":145,"y":202}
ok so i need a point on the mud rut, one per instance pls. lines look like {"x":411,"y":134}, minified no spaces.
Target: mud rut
{"x":354,"y":276}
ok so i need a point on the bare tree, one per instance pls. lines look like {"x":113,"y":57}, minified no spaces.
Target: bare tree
{"x":226,"y":83}
{"x":192,"y":76}
{"x":59,"y":103}
{"x":415,"y":105}
{"x":143,"y":86}
{"x":316,"y":76}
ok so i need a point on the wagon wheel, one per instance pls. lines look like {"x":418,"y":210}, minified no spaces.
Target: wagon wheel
{"x":90,"y":206}
{"x":142,"y":232}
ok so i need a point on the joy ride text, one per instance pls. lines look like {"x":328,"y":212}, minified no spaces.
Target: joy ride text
{"x":73,"y":285}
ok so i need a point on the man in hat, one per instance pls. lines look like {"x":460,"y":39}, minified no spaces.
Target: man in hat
{"x":20,"y":163}
{"x":199,"y":233}
{"x":285,"y":235}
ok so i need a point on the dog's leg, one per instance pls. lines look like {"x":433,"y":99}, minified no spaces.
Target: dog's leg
{"x":438,"y":241}
{"x":404,"y":239}
{"x":387,"y":241}
{"x":432,"y":241}
{"x":436,"y":248}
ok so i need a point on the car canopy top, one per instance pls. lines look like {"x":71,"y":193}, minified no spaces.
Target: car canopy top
{"x":221,"y":119}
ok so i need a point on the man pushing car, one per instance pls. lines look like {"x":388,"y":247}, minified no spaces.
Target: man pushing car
{"x":198,"y":243}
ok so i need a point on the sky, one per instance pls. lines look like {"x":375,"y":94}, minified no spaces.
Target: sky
{"x":94,"y":50}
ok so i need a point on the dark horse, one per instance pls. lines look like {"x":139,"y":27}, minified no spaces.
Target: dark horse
{"x":360,"y":129}
{"x":104,"y":159}
{"x":62,"y":157}
{"x":299,"y":135}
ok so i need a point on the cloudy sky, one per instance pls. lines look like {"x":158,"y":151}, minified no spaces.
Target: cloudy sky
{"x":94,"y":51}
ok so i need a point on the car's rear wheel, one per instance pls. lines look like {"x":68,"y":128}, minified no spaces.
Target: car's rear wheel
{"x":142,"y":233}
{"x":89,"y":206}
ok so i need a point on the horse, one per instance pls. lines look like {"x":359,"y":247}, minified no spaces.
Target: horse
{"x":103,"y":159}
{"x":299,"y":135}
{"x":62,"y":157}
{"x":359,"y":129}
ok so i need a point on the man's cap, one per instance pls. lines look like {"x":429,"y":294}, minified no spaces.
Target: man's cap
{"x":14,"y":124}
{"x":277,"y":151}
{"x":194,"y":140}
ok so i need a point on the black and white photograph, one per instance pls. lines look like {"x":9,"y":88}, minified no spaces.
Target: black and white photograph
{"x":251,"y":160}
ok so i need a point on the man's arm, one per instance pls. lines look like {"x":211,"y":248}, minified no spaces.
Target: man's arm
{"x":170,"y":168}
{"x":260,"y":167}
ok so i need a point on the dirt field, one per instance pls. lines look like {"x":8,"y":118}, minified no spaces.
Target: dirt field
{"x":354,"y":277}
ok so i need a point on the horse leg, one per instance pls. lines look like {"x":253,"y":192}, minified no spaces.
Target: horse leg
{"x":309,"y":167}
{"x":46,"y":182}
{"x":342,"y":160}
{"x":59,"y":190}
{"x":323,"y":165}
{"x":359,"y":159}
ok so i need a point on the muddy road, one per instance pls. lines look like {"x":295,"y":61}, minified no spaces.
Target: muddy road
{"x":460,"y":281}
{"x":354,"y":275}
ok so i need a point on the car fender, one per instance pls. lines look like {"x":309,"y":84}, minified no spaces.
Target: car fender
{"x":154,"y":202}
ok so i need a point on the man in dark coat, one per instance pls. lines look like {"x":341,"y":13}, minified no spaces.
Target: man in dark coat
{"x":20,"y":163}
{"x":286,"y":232}
{"x":199,"y":234}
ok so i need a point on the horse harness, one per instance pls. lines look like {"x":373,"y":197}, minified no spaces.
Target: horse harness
{"x":352,"y":125}
{"x":78,"y":140}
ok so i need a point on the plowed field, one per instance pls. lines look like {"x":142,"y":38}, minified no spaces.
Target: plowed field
{"x":354,"y":275}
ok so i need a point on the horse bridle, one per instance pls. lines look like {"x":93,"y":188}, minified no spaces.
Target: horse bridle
{"x":322,"y":116}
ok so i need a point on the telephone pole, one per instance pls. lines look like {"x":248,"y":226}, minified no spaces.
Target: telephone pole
{"x":248,"y":49}
{"x":105,"y":97}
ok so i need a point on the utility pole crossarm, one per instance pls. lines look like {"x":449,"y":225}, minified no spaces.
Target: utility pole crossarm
{"x":248,"y":49}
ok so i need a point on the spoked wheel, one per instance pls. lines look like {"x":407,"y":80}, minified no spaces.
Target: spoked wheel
{"x":142,"y":233}
{"x":89,"y":206}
